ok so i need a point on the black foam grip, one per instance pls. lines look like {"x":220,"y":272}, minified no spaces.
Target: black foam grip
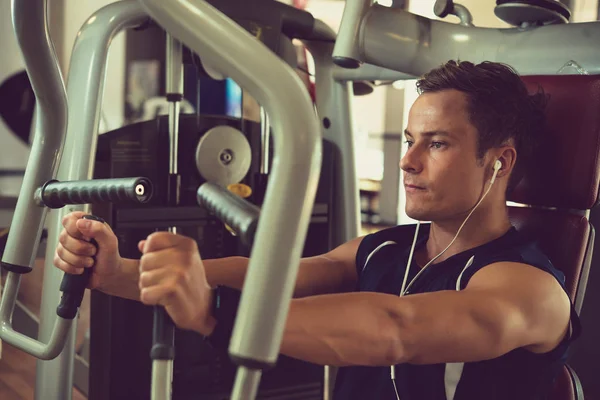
{"x":73,"y":286}
{"x":241,"y":215}
{"x":56,"y":194}
{"x":163,"y":336}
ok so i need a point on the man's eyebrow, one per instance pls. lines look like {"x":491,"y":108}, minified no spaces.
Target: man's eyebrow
{"x":430,"y":133}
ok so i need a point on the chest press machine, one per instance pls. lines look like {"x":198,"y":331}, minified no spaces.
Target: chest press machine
{"x":374,"y":42}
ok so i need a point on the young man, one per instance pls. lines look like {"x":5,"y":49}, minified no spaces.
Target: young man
{"x":488,"y":319}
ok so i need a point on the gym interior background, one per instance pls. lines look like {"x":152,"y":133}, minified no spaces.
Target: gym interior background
{"x":379,"y":118}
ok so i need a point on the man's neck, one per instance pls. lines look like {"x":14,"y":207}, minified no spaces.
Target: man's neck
{"x":484,"y":226}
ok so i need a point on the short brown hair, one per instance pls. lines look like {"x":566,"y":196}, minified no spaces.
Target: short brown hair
{"x":499,"y":106}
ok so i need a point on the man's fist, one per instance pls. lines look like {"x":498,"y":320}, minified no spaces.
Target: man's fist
{"x":172,"y":275}
{"x":74,"y":251}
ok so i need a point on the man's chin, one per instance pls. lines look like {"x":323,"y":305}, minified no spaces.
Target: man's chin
{"x":418,"y":215}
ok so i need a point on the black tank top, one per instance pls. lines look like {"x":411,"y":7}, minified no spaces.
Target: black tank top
{"x":517,"y":375}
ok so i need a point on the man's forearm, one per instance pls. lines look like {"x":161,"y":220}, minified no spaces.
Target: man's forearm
{"x":342,"y":330}
{"x":230,"y":271}
{"x":316,"y":275}
{"x":125,"y":284}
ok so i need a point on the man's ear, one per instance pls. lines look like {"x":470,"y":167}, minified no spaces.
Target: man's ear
{"x":508,"y":157}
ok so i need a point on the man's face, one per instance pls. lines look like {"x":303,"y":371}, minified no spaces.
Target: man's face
{"x":442,"y":177}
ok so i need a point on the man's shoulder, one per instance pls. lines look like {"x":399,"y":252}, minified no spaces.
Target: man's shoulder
{"x":524,"y":250}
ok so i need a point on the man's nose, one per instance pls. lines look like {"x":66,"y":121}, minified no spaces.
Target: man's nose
{"x":411,"y":161}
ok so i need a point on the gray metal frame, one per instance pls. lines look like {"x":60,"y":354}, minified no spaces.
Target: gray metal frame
{"x":378,"y":39}
{"x":54,"y":379}
{"x":333,"y":100}
{"x":31,"y":29}
{"x":293,"y":180}
{"x":41,"y":63}
{"x":401,"y":41}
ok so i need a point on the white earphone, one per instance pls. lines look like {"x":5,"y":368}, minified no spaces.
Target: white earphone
{"x":404,"y":290}
{"x":497,"y":167}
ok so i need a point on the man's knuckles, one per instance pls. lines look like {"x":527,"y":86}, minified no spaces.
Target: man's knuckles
{"x":172,"y":259}
{"x":71,"y":218}
{"x":163,"y":240}
{"x":65,"y":237}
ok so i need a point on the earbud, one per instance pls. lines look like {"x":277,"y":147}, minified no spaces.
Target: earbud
{"x":497,"y":167}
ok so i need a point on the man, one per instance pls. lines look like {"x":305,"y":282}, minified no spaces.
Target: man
{"x":488,"y":319}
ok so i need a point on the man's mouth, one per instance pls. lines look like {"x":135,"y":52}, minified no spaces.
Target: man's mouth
{"x":413,"y":187}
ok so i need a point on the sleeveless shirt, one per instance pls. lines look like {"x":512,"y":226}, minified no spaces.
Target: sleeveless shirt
{"x":520,"y":374}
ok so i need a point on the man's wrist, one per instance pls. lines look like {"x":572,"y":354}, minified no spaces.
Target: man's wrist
{"x":208,"y":323}
{"x":125,"y":282}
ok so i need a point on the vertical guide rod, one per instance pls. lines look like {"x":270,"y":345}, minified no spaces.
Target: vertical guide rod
{"x":163,"y":347}
{"x":265,"y":137}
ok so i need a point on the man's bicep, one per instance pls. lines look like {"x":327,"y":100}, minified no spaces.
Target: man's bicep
{"x":535,"y":295}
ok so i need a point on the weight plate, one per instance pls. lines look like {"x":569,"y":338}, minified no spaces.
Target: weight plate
{"x":223,"y":155}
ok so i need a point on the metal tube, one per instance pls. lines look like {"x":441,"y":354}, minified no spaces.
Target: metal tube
{"x":35,"y":348}
{"x":174,"y":89}
{"x":347,"y":49}
{"x":163,"y":341}
{"x":463,"y":13}
{"x":31,"y":29}
{"x":265,"y":139}
{"x":174,"y":108}
{"x":174,"y":66}
{"x":85,"y":88}
{"x":162,"y":375}
{"x":401,"y":41}
{"x":334,"y":108}
{"x":365,"y":71}
{"x":293,"y":181}
{"x":333,"y":99}
{"x":246,"y":383}
{"x":368,"y":72}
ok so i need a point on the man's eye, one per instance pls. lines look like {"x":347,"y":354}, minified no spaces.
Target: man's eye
{"x":438,"y":145}
{"x":409,"y":143}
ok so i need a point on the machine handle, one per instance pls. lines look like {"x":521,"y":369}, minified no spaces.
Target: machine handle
{"x":55,"y":194}
{"x":241,"y":215}
{"x":73,"y":286}
{"x":163,"y":332}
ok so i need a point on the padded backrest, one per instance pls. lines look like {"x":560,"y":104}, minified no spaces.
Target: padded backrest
{"x":564,"y":389}
{"x":565,"y":176}
{"x":565,"y":238}
{"x":566,"y":172}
